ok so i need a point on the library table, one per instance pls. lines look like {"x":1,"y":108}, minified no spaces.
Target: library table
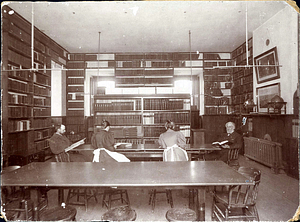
{"x":146,"y":151}
{"x":167,"y":175}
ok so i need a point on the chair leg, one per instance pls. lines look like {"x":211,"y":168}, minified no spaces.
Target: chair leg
{"x":127,"y":198}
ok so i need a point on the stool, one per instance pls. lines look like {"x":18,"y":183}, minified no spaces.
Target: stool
{"x":59,"y":213}
{"x":85,"y":193}
{"x":110,"y":193}
{"x":181,"y":214}
{"x":122,"y":213}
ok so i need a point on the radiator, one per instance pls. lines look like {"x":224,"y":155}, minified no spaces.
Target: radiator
{"x":263,"y":151}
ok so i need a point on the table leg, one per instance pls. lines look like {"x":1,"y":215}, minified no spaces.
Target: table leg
{"x":34,"y":196}
{"x":201,"y":204}
{"x":60,"y":196}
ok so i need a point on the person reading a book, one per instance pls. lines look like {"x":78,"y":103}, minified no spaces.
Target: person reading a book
{"x":59,"y":142}
{"x":104,"y":138}
{"x":171,"y":137}
{"x":230,"y":139}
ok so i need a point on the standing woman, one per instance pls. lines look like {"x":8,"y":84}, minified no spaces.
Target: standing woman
{"x":104,"y":138}
{"x":171,"y":137}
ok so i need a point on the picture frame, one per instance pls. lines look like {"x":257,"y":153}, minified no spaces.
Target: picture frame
{"x":265,"y":94}
{"x":267,"y":73}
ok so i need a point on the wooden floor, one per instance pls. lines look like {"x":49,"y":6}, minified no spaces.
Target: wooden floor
{"x":278,"y":199}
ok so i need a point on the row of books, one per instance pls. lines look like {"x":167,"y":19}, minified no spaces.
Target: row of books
{"x":221,"y":85}
{"x":240,"y":99}
{"x":75,"y":73}
{"x":42,"y":101}
{"x":76,"y":104}
{"x":217,"y":72}
{"x":119,"y":119}
{"x":19,"y":33}
{"x":41,"y":145}
{"x":21,"y":74}
{"x":124,"y":132}
{"x":242,"y":57}
{"x":132,"y":141}
{"x":19,"y":111}
{"x":295,"y":128}
{"x":76,"y":128}
{"x":161,"y":118}
{"x":117,"y":106}
{"x":42,"y":91}
{"x":18,"y":125}
{"x":75,"y":80}
{"x":75,"y":88}
{"x":75,"y":113}
{"x":217,"y":78}
{"x":42,"y":112}
{"x":76,"y":65}
{"x":243,"y":80}
{"x":208,"y":100}
{"x":242,"y":49}
{"x":21,"y":143}
{"x":149,"y":81}
{"x":217,"y":63}
{"x":154,"y":131}
{"x":16,"y":58}
{"x":240,"y":89}
{"x":242,"y":72}
{"x":39,"y":57}
{"x":19,"y":99}
{"x":215,"y":110}
{"x":74,"y":120}
{"x":19,"y":86}
{"x":19,"y":45}
{"x":185,"y":131}
{"x":41,"y":134}
{"x":41,"y":79}
{"x":41,"y":123}
{"x":166,"y":104}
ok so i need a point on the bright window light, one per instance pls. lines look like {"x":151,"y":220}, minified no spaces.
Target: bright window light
{"x":183,"y":86}
{"x":109,"y":86}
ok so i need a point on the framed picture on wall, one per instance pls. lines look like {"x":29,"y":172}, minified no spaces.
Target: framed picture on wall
{"x":266,"y":66}
{"x":265,"y":94}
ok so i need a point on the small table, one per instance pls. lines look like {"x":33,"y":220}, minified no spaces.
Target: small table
{"x":167,"y":175}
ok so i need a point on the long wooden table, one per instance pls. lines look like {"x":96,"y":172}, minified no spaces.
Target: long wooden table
{"x":183,"y":175}
{"x":147,"y":151}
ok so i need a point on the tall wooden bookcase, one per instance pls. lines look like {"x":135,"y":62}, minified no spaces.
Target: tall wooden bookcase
{"x":140,"y":119}
{"x":26,"y":90}
{"x":242,"y":77}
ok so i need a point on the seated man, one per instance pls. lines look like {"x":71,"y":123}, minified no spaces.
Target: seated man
{"x":104,"y":138}
{"x":171,"y":137}
{"x":59,"y":142}
{"x":234,"y":139}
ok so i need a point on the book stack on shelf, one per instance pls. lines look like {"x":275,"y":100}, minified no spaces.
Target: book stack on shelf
{"x":148,"y":114}
{"x":242,"y":77}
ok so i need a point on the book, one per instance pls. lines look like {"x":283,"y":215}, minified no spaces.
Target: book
{"x":221,"y":143}
{"x":74,"y":145}
{"x":123,"y":145}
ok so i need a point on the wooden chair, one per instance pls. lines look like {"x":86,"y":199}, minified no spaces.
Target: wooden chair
{"x":238,"y":202}
{"x":77,"y":192}
{"x":170,"y":154}
{"x":233,"y":157}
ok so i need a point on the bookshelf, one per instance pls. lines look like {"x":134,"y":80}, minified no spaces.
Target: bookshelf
{"x":26,"y":87}
{"x":141,"y":118}
{"x":215,"y":77}
{"x":242,"y":77}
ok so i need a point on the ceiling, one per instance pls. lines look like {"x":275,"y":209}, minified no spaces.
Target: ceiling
{"x":148,"y":26}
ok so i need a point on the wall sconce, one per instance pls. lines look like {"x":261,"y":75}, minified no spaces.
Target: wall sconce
{"x":276,"y":104}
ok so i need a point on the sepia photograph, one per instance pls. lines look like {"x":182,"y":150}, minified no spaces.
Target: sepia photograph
{"x":150,"y":111}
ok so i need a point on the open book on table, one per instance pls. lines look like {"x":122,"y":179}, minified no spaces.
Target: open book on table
{"x":123,"y":145}
{"x":74,"y":145}
{"x":221,"y":143}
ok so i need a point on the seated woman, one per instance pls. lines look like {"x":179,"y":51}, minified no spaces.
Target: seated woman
{"x":171,"y":137}
{"x":104,"y":138}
